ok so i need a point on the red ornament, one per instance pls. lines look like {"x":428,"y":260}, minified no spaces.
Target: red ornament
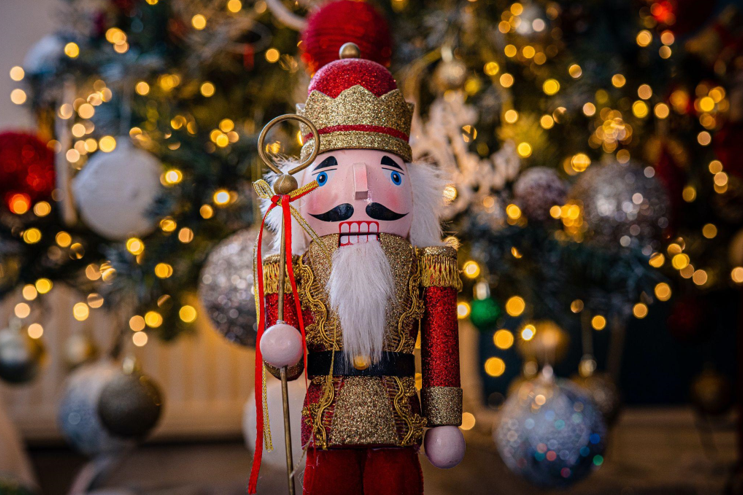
{"x":345,"y":21}
{"x":26,"y":170}
{"x":670,"y":171}
{"x":728,"y":146}
{"x":341,"y":75}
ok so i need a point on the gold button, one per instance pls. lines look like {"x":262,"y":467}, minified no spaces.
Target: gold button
{"x":361,"y":362}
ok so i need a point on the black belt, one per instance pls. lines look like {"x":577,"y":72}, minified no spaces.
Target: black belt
{"x":396,"y":364}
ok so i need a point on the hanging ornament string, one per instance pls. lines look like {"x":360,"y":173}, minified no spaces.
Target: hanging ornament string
{"x":287,"y":193}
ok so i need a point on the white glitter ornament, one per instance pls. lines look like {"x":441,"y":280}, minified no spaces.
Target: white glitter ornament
{"x":44,"y":55}
{"x":277,"y":458}
{"x":440,"y":139}
{"x":115,"y":191}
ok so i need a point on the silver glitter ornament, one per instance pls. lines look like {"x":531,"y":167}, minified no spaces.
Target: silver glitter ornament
{"x":226,"y":288}
{"x":130,"y":404}
{"x":537,"y":190}
{"x":604,"y":393}
{"x":78,"y":411}
{"x":622,"y":206}
{"x":21,"y":356}
{"x":550,"y":433}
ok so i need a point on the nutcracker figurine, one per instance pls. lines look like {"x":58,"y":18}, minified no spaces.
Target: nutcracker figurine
{"x":372,"y":274}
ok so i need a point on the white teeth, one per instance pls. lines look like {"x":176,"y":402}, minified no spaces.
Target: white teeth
{"x":374,"y":227}
{"x":364,"y":228}
{"x":344,"y":227}
{"x":354,"y":227}
{"x":354,"y":239}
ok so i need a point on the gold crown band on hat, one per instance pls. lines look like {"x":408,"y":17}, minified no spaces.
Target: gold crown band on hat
{"x":357,"y":119}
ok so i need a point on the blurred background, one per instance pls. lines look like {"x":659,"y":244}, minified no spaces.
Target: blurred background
{"x":595,"y":199}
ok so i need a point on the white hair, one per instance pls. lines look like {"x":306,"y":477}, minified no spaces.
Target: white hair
{"x":360,"y":288}
{"x":428,"y":204}
{"x":300,"y":239}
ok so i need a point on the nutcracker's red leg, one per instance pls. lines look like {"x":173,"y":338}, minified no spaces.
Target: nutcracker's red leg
{"x":334,"y":472}
{"x":393,"y":471}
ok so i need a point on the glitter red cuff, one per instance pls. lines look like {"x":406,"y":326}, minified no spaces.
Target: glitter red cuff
{"x":440,"y":338}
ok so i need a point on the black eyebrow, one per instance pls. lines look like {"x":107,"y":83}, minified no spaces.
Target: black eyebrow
{"x":328,"y":162}
{"x":386,"y":160}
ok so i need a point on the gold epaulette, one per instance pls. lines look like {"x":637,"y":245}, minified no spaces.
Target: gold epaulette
{"x":439,"y":267}
{"x":271,"y":274}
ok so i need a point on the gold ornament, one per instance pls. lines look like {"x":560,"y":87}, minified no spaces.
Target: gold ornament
{"x":549,"y":343}
{"x":349,"y":50}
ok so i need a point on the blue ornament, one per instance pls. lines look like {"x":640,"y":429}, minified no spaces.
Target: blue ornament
{"x":550,"y":433}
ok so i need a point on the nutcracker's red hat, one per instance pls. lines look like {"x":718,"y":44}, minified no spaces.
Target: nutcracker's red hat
{"x":355,"y":104}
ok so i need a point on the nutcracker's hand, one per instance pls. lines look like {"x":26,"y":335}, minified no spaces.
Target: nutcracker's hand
{"x":444,"y":446}
{"x":281,"y":345}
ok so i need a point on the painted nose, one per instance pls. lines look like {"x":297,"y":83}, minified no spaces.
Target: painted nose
{"x":360,"y":181}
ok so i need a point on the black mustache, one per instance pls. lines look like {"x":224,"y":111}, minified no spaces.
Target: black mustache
{"x":337,"y":214}
{"x":378,"y":211}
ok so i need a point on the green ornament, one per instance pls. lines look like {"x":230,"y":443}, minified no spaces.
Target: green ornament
{"x":12,"y":487}
{"x":485,"y":313}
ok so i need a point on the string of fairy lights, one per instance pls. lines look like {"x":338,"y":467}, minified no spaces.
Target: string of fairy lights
{"x":611,"y":131}
{"x":86,"y":142}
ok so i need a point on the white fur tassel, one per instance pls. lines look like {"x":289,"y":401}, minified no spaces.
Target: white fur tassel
{"x":428,"y":204}
{"x":300,"y":239}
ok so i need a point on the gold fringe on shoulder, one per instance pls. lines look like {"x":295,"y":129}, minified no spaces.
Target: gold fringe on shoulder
{"x":271,"y":274}
{"x":439,"y":267}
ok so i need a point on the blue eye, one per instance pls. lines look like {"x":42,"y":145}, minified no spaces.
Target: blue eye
{"x":396,"y":178}
{"x":322,"y":178}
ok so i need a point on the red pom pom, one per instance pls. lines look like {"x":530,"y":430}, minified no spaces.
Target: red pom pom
{"x":345,"y":21}
{"x":340,"y":75}
{"x":26,"y":170}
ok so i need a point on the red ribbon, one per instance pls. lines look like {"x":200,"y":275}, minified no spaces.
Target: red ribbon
{"x":284,"y":202}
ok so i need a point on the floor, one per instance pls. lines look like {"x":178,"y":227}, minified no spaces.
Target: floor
{"x":647,"y":456}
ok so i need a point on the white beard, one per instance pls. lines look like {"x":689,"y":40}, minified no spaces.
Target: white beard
{"x":361,"y":287}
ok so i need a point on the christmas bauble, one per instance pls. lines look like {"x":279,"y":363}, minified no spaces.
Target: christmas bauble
{"x":692,"y":319}
{"x":622,"y":206}
{"x":78,"y":410}
{"x":537,"y":190}
{"x":79,"y":349}
{"x":277,"y":458}
{"x":26,"y":170}
{"x":604,"y":392}
{"x":20,"y":356}
{"x":44,"y":55}
{"x":345,"y":21}
{"x":728,"y":144}
{"x":712,"y":393}
{"x":550,"y":433}
{"x":130,"y":405}
{"x":226,"y":288}
{"x":543,"y":341}
{"x":485,"y":313}
{"x":115,"y":191}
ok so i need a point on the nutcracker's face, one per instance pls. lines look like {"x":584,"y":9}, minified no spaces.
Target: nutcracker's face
{"x":361,"y":193}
